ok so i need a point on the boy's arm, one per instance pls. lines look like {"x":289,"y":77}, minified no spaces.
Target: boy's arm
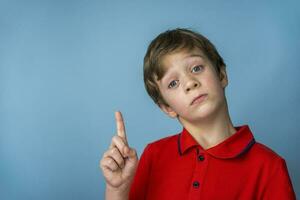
{"x":280,"y":185}
{"x":118,"y":164}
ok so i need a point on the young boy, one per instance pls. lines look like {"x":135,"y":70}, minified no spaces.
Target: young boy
{"x":210,"y":158}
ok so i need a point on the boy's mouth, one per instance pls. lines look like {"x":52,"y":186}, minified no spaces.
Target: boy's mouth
{"x":199,"y":98}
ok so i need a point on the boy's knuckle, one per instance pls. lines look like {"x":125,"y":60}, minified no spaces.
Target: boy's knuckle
{"x":106,"y":154}
{"x":111,"y":161}
{"x":106,"y":161}
{"x":114,"y":151}
{"x":118,"y":139}
{"x":113,"y":139}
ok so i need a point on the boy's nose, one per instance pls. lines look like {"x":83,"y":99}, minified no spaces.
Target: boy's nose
{"x":191,"y":85}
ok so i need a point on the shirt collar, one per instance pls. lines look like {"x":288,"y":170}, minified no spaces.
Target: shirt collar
{"x":238,"y":143}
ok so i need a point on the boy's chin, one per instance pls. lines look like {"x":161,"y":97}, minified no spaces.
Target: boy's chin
{"x":199,"y":115}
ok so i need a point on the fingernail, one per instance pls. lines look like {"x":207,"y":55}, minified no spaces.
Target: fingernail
{"x":126,"y":150}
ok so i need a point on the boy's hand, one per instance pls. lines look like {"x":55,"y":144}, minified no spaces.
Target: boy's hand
{"x":119,"y":162}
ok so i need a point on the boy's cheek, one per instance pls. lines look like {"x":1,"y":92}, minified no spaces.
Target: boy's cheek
{"x":179,"y":106}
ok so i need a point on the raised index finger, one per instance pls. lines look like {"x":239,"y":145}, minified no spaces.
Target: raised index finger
{"x":120,"y":125}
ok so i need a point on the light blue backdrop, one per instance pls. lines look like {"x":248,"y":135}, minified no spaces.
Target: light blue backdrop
{"x":66,"y":66}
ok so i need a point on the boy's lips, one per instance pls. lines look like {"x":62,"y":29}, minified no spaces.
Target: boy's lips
{"x":199,"y":98}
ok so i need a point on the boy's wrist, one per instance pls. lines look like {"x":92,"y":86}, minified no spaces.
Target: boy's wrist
{"x":119,"y":193}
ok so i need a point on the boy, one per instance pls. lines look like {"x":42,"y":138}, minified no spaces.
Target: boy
{"x":210,"y":158}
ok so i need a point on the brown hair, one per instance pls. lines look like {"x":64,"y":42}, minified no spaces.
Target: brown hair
{"x":172,"y":41}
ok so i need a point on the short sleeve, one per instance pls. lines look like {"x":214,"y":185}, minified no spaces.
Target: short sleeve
{"x":280,"y":185}
{"x":140,"y":181}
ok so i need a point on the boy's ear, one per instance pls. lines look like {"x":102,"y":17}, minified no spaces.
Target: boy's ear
{"x":168,"y":110}
{"x":223,"y":76}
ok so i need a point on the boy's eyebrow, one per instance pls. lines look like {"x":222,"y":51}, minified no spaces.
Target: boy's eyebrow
{"x":195,"y":55}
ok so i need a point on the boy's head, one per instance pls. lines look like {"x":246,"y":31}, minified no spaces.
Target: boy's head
{"x":171,"y":42}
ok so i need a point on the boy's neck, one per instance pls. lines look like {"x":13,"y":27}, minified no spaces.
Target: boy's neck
{"x":213,"y":130}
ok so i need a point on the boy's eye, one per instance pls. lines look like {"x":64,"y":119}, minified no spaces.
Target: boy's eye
{"x":197,"y":68}
{"x":172,"y":84}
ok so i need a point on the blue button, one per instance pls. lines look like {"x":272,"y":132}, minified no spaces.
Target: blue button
{"x":201,"y":157}
{"x":196,"y":184}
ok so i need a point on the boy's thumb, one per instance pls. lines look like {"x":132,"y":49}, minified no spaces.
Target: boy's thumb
{"x":130,"y":152}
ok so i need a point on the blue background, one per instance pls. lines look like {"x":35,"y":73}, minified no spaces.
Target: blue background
{"x":66,"y":66}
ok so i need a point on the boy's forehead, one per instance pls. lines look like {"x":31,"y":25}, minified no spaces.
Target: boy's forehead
{"x":183,"y":56}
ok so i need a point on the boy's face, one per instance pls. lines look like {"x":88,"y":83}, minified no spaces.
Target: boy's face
{"x":189,"y":75}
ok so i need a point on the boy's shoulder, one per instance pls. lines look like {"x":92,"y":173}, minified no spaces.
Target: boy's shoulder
{"x":265,"y":152}
{"x":170,"y":139}
{"x":164,"y":144}
{"x":166,"y":139}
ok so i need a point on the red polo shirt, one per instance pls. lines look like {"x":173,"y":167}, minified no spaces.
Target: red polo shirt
{"x":178,"y":168}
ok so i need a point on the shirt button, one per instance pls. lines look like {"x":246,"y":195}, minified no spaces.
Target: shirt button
{"x":196,"y":184}
{"x":201,"y":158}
